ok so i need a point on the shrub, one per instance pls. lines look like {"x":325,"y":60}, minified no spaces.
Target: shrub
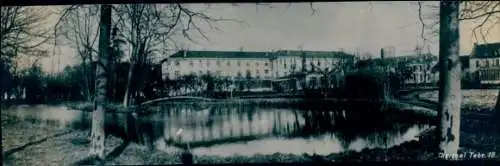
{"x":372,"y":84}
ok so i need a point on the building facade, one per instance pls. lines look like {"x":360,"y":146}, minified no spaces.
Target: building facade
{"x":239,"y":65}
{"x":423,"y":68}
{"x":484,"y":62}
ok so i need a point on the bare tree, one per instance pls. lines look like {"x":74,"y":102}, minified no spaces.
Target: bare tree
{"x":21,"y":33}
{"x":80,"y":28}
{"x":450,"y":97}
{"x":488,"y":13}
{"x":97,"y":135}
{"x":150,"y":28}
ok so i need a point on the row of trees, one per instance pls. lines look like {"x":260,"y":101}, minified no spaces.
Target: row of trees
{"x":144,"y":29}
{"x":75,"y":84}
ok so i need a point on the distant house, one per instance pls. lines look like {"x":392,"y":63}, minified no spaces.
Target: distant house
{"x":423,"y":68}
{"x":485,"y":63}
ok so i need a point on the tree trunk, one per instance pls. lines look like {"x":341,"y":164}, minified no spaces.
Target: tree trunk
{"x":497,"y":110}
{"x":450,"y":96}
{"x":129,"y":81}
{"x":97,"y":136}
{"x":86,"y":80}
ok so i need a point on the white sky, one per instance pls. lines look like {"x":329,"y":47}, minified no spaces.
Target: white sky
{"x":348,"y":26}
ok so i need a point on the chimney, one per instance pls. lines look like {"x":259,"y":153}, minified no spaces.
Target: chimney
{"x":381,"y":53}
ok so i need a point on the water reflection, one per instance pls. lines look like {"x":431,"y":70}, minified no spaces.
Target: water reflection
{"x":225,"y":129}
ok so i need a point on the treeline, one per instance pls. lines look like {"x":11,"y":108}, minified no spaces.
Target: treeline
{"x":33,"y":86}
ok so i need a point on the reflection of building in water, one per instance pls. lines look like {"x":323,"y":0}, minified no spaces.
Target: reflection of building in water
{"x":219,"y":124}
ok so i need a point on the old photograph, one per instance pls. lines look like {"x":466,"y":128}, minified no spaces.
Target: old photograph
{"x":235,"y":83}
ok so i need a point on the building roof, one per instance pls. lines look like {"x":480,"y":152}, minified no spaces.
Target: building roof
{"x":407,"y":59}
{"x":404,"y":58}
{"x":250,"y":54}
{"x":314,"y":54}
{"x":489,"y":50}
{"x":220,"y":54}
{"x":412,"y":58}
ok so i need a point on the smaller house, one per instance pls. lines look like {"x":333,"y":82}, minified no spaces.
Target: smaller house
{"x":423,"y":68}
{"x":485,"y":63}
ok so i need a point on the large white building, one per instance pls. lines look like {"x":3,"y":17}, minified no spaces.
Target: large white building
{"x":238,"y":64}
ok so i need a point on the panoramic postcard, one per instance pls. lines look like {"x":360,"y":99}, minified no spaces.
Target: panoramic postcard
{"x":227,"y":83}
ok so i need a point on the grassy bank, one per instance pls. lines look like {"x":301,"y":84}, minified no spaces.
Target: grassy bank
{"x":16,"y":133}
{"x":484,"y":99}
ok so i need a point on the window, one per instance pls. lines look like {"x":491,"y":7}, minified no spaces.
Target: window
{"x":319,"y":63}
{"x":208,"y":63}
{"x":191,"y":63}
{"x":238,"y":63}
{"x":265,"y":64}
{"x":177,"y":63}
{"x":257,"y":72}
{"x":218,"y":62}
{"x":267,"y":71}
{"x":258,"y":77}
{"x":497,"y":62}
{"x":177,"y":73}
{"x":478,"y":64}
{"x":284,"y":65}
{"x":228,"y":63}
{"x":249,"y":74}
{"x":487,"y":64}
{"x":248,"y":63}
{"x":257,"y":64}
{"x":239,"y":74}
{"x":200,"y":72}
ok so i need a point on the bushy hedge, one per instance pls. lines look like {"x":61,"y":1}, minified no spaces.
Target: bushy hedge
{"x":372,"y":84}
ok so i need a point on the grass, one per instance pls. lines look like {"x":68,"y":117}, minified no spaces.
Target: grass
{"x":473,"y":98}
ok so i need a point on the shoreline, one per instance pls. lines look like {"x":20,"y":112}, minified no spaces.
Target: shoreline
{"x":476,"y":136}
{"x":66,"y":150}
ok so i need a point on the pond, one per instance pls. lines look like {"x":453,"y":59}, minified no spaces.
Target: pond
{"x":246,"y":129}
